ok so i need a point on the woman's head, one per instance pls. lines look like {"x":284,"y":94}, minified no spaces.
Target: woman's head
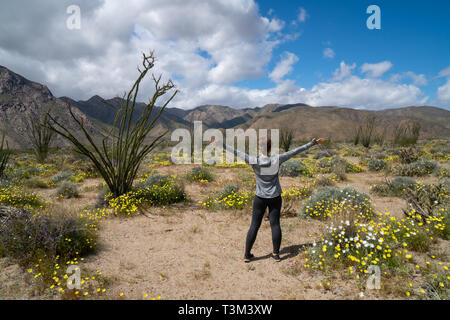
{"x":265,"y":146}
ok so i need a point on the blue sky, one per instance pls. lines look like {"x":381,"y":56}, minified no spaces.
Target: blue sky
{"x":414,"y":36}
{"x":238,"y":53}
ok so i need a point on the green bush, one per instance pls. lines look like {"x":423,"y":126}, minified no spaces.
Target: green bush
{"x":441,"y":172}
{"x":409,"y":155}
{"x":37,"y":183}
{"x":419,"y":168}
{"x":323,"y":203}
{"x":324,"y":181}
{"x":418,"y":241}
{"x":25,"y":173}
{"x":324,"y":154}
{"x":377,"y":164}
{"x":16,"y":197}
{"x":63,"y":176}
{"x":428,"y":199}
{"x":228,"y":190}
{"x":294,"y":168}
{"x":68,"y":190}
{"x":394,"y":188}
{"x":199,"y":174}
{"x":26,"y":236}
{"x":5,"y":183}
{"x":160,"y":190}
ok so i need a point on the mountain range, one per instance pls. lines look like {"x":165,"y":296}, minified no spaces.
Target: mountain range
{"x":20,"y":97}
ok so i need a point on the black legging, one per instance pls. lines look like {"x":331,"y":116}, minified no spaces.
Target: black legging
{"x":259,"y":207}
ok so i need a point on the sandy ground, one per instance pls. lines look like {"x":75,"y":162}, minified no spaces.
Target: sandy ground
{"x":191,"y":253}
{"x":186,"y":252}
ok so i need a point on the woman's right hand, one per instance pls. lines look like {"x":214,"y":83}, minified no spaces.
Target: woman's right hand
{"x":318,"y":141}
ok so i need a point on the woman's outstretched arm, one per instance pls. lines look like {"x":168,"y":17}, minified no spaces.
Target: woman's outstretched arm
{"x":244,"y":156}
{"x":286,"y":156}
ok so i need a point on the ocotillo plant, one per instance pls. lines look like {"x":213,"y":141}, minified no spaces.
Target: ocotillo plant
{"x":123,"y":147}
{"x":4,"y":155}
{"x":366,"y":130}
{"x":286,"y":138}
{"x":407,"y":133}
{"x":40,"y":136}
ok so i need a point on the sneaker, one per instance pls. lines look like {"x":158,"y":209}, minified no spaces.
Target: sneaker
{"x":276,"y":257}
{"x":249,"y":258}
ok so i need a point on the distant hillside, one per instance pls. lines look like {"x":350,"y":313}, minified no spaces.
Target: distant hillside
{"x":340,"y":123}
{"x":19,"y":97}
{"x":100,"y":109}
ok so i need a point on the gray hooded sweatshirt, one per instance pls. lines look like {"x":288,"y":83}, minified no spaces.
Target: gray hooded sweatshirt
{"x":266,"y":169}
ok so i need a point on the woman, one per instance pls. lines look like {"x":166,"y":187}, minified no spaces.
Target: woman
{"x":268,"y":192}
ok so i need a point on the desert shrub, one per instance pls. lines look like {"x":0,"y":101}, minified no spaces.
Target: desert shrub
{"x":199,"y":174}
{"x":154,"y":180}
{"x":400,"y":183}
{"x":155,"y":190}
{"x":418,"y":241}
{"x":328,"y":201}
{"x":337,"y":163}
{"x":379,"y":241}
{"x":233,"y":201}
{"x":376,"y":164}
{"x":230,"y":198}
{"x":16,"y":197}
{"x":63,"y":176}
{"x":323,"y":154}
{"x":394,"y":188}
{"x":38,"y":183}
{"x":25,"y":173}
{"x":27,"y":236}
{"x":427,"y":199}
{"x":419,"y":168}
{"x":103,"y":198}
{"x":325,"y":181}
{"x":68,"y":190}
{"x":324,"y":165}
{"x":409,"y":155}
{"x":338,"y":167}
{"x":436,"y":286}
{"x":378,"y":154}
{"x":229,"y":190}
{"x":441,"y":172}
{"x":295,"y":168}
{"x":161,"y":190}
{"x":292,"y":196}
{"x":5,"y":183}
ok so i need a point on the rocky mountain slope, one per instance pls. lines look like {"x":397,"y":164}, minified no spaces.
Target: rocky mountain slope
{"x":19,"y":97}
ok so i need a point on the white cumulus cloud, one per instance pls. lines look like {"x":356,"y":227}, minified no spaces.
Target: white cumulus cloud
{"x":302,"y":15}
{"x":328,"y":53}
{"x":283,"y":67}
{"x":343,"y":71}
{"x":443,"y":93}
{"x":205,"y":46}
{"x":444,"y":72}
{"x":375,"y":70}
